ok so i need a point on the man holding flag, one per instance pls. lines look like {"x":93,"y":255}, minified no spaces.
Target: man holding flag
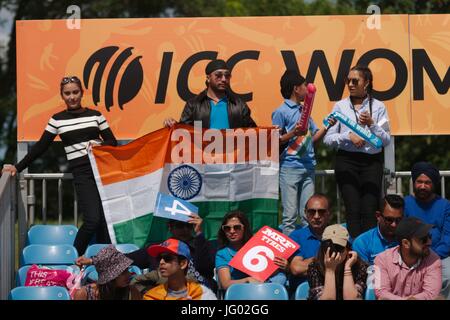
{"x":297,"y":159}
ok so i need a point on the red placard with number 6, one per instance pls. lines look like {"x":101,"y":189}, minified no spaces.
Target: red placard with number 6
{"x":256,"y":257}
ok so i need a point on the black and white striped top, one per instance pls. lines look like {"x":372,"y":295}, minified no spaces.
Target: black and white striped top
{"x":75,"y":131}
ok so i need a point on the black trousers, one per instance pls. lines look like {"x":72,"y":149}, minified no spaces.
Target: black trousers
{"x":359,"y":177}
{"x":90,"y":204}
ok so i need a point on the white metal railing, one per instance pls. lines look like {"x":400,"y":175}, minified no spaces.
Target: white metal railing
{"x":321,"y":186}
{"x":7,"y":234}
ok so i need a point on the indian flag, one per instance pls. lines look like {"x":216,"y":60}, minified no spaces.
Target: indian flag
{"x":216,"y":170}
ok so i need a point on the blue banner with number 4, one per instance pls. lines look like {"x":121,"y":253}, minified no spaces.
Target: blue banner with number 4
{"x":173,"y":208}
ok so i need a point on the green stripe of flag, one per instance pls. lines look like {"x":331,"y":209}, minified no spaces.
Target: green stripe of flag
{"x":148,"y":229}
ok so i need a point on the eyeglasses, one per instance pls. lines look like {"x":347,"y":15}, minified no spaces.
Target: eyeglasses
{"x":66,"y":80}
{"x":167,"y":257}
{"x":312,"y":212}
{"x":219,"y":75}
{"x":425,"y":239}
{"x":391,"y":220}
{"x":353,"y":81}
{"x":236,"y":227}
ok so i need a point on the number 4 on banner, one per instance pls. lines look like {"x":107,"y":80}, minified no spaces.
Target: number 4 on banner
{"x":174,"y":209}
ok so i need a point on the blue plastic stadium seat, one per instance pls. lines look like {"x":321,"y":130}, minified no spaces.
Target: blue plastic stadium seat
{"x":39,"y":293}
{"x":91,"y":275}
{"x":49,"y":254}
{"x":52,"y":234}
{"x":93,"y":249}
{"x":256,"y":291}
{"x":21,"y":276}
{"x":302,"y":291}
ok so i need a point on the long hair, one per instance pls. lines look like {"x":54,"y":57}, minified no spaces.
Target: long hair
{"x":366,"y":73}
{"x":339,"y":275}
{"x":109,"y":291}
{"x":221,"y":236}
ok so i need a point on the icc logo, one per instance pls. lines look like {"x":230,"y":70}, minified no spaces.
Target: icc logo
{"x":131,"y":80}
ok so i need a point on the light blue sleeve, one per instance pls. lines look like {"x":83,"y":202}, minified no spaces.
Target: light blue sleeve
{"x":360,"y":247}
{"x":381,"y":126}
{"x":312,"y":127}
{"x":334,"y":137}
{"x":278,"y":119}
{"x":222,"y":259}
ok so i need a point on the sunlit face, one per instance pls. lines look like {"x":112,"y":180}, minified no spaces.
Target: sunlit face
{"x":317,"y":213}
{"x":234,"y":230}
{"x":423,"y":188}
{"x":356,"y":84}
{"x":123,"y":280}
{"x":300,"y":91}
{"x":170,"y":265}
{"x":72,"y":94}
{"x":389,"y":220}
{"x":219,"y":80}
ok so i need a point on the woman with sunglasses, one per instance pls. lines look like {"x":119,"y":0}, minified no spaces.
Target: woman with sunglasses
{"x":79,"y":128}
{"x":233,"y":234}
{"x":358,"y":164}
{"x":337,"y":273}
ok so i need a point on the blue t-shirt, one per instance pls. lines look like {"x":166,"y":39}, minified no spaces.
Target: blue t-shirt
{"x":309,"y":246}
{"x":219,"y":114}
{"x":437,"y":213}
{"x":286,"y":117}
{"x":370,"y":243}
{"x":308,"y":241}
{"x":223,"y":258}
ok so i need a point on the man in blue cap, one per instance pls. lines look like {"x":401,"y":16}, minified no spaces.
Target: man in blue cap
{"x":216,"y":107}
{"x":431,"y":208}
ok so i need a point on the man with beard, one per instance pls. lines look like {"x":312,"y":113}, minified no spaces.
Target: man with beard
{"x":429,"y":207}
{"x":411,"y":270}
{"x":374,"y":241}
{"x":317,"y":211}
{"x":216,"y":107}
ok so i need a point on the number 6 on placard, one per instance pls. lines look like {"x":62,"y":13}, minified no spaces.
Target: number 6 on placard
{"x":255,"y":253}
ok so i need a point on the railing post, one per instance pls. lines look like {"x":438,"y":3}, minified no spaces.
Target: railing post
{"x":7,"y":232}
{"x":389,"y":166}
{"x":22,"y":201}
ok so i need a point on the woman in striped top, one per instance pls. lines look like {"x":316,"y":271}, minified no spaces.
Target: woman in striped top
{"x":78,"y":128}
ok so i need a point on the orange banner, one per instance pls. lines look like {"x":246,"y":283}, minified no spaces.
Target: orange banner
{"x":139,"y":71}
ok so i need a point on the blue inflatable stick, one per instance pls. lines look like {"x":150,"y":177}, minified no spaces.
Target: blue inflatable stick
{"x":364,"y":133}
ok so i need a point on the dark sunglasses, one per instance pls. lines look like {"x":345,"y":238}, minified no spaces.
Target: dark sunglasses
{"x":219,"y":75}
{"x":167,"y":257}
{"x":236,"y":227}
{"x":425,"y":239}
{"x":312,"y":212}
{"x":353,"y":81}
{"x":67,"y":80}
{"x":392,"y":220}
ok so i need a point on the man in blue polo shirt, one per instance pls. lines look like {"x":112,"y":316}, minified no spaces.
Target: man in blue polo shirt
{"x":374,"y":241}
{"x":318,"y":216}
{"x":429,"y":207}
{"x":297,"y":160}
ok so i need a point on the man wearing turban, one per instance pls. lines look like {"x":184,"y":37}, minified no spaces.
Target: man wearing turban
{"x":431,"y":208}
